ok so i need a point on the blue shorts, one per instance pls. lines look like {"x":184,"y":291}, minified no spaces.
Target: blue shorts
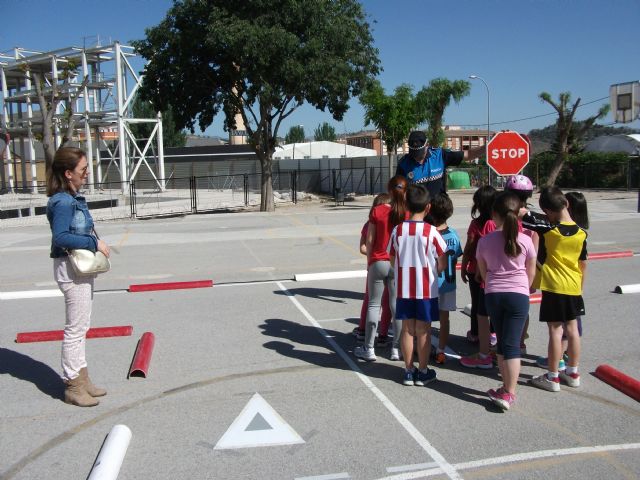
{"x":425,"y":309}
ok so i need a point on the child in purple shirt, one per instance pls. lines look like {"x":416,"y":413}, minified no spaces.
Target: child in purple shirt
{"x":507,"y":265}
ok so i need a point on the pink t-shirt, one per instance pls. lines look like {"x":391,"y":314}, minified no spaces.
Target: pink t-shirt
{"x":504,"y":273}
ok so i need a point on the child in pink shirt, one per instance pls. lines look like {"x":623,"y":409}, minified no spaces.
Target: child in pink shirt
{"x":507,"y":265}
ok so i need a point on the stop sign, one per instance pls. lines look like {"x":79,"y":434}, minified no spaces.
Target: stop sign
{"x":507,"y":153}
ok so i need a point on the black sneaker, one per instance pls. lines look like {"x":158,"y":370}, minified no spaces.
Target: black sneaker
{"x":382,"y":341}
{"x":420,"y":379}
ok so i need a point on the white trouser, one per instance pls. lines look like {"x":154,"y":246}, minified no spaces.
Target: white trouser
{"x":78,"y":295}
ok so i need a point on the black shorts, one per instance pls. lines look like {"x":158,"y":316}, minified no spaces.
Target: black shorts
{"x":557,"y":307}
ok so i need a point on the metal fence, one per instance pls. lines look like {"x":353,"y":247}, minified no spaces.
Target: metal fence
{"x":335,"y":178}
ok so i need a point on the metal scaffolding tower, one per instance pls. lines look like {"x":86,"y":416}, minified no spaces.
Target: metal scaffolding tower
{"x":102,"y":110}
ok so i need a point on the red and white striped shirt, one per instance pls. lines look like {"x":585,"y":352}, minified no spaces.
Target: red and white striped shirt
{"x":416,"y":246}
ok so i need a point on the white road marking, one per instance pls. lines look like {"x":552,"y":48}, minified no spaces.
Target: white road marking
{"x":518,"y":457}
{"x":330,"y":476}
{"x":30,"y":294}
{"x":444,"y":466}
{"x":258,"y":425}
{"x":411,"y":468}
{"x":307,"y":277}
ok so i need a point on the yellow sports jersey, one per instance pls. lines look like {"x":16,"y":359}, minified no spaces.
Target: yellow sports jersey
{"x":561,"y":247}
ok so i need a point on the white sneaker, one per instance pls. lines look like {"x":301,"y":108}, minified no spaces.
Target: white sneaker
{"x":395,"y":354}
{"x":365,"y":353}
{"x":571,"y":379}
{"x":543,"y":382}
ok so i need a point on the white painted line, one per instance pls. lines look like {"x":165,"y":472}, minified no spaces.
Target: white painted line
{"x":30,"y":294}
{"x":258,"y":425}
{"x":519,"y":457}
{"x":330,"y":476}
{"x":307,"y":277}
{"x":244,"y":284}
{"x":411,"y":468}
{"x":633,"y":288}
{"x":445,"y":466}
{"x":603,"y":243}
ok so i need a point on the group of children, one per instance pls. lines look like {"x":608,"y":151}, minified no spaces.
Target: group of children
{"x":412,"y":256}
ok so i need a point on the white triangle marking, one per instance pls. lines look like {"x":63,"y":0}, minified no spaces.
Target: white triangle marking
{"x":241,"y":435}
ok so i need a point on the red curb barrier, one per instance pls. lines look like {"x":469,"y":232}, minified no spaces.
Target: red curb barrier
{"x":148,"y":287}
{"x":535,"y":298}
{"x":626,"y":384}
{"x":54,"y":335}
{"x":605,"y":255}
{"x":142,"y":357}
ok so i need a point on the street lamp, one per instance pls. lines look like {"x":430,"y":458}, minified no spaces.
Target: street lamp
{"x":476,"y":77}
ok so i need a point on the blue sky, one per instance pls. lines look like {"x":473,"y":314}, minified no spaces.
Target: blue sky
{"x":519,"y":47}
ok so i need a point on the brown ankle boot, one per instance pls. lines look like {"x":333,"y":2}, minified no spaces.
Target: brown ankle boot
{"x":90,"y":387}
{"x":75,"y":394}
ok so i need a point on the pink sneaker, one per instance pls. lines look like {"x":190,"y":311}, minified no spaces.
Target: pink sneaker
{"x":502,"y":398}
{"x":475,"y":361}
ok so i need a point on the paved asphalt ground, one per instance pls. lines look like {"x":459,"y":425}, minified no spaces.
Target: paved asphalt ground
{"x":258,"y":331}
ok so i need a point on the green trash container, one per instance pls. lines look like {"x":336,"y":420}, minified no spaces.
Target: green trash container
{"x":458,"y":179}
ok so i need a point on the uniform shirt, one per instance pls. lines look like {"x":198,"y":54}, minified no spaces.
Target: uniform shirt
{"x":505,"y":273}
{"x":431,"y":173}
{"x":447,"y":278}
{"x":561,"y":248}
{"x":416,"y":246}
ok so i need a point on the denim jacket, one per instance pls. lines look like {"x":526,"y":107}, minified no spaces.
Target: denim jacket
{"x":71,"y":224}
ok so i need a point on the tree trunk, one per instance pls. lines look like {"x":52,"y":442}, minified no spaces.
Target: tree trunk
{"x":561,"y":157}
{"x":266,"y":185}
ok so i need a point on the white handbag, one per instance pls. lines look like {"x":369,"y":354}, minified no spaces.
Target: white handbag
{"x":85,"y":262}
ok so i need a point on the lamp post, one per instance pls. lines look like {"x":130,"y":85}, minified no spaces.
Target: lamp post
{"x":294,"y":147}
{"x":476,"y":77}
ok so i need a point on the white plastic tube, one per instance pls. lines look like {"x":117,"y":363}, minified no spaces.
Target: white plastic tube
{"x":634,"y":288}
{"x":109,"y":461}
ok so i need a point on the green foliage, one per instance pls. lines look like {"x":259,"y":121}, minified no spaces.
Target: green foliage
{"x":583,"y":170}
{"x":325,"y":132}
{"x":172,"y":136}
{"x":261,"y":59}
{"x":295,"y":135}
{"x":393,"y":115}
{"x":433,"y":100}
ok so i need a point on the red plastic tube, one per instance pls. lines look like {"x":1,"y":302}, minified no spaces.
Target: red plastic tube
{"x":148,"y":287}
{"x":605,"y":255}
{"x":142,"y":357}
{"x":57,"y":335}
{"x":535,"y":298}
{"x":626,"y":384}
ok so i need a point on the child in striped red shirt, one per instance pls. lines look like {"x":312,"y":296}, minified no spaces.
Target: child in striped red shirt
{"x":417,"y":252}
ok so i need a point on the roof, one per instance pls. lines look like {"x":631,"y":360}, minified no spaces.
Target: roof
{"x":615,"y":143}
{"x":320,"y":150}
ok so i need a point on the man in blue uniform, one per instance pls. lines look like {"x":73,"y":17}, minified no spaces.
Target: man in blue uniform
{"x":427,"y":165}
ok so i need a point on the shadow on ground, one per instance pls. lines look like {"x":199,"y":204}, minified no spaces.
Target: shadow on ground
{"x":297,"y":336}
{"x":26,"y":368}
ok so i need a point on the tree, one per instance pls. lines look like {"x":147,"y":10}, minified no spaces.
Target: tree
{"x":172,"y":136}
{"x":394,"y":116}
{"x":261,"y":59}
{"x":432,"y":101}
{"x":48,"y":100}
{"x":325,"y":132}
{"x":295,"y":135}
{"x":566,"y":131}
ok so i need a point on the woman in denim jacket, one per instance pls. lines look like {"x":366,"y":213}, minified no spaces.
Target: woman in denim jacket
{"x":72,"y":227}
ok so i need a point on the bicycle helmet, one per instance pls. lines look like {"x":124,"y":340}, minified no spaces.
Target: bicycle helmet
{"x":519,"y":183}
